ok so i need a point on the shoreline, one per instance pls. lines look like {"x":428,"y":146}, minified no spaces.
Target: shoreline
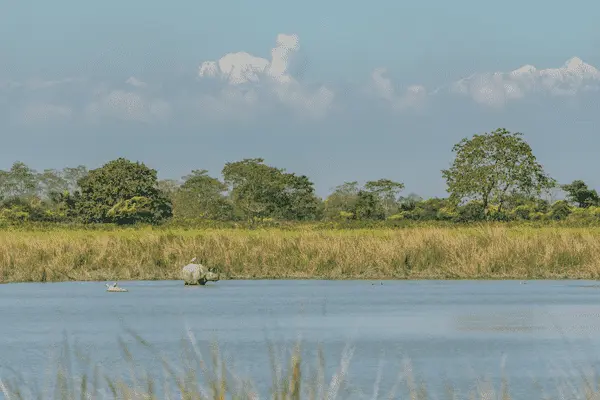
{"x":373,"y":281}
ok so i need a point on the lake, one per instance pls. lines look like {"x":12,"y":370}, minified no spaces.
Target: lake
{"x":450,"y":330}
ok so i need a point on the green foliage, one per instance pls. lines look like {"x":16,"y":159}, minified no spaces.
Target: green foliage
{"x":138,"y":209}
{"x":560,"y":210}
{"x":110,"y":186}
{"x":168,"y":187}
{"x":300,"y":201}
{"x":493,"y":177}
{"x":427,"y":210}
{"x":202,"y":196}
{"x":492,"y":166}
{"x":522,"y":212}
{"x":409,"y":202}
{"x":19,"y":181}
{"x":387,"y":192}
{"x":342,"y":201}
{"x":580,"y":194}
{"x":368,"y":206}
{"x":376,"y":200}
{"x":261,"y":191}
{"x":471,"y":212}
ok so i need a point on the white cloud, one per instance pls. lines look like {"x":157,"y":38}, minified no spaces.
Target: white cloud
{"x":413,"y":97}
{"x":495,"y":89}
{"x":241,"y":87}
{"x":252,"y":81}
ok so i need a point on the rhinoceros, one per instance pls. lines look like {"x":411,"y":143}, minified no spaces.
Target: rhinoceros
{"x":198,"y":274}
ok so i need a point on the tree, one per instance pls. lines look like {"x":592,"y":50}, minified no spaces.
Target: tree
{"x":72,"y":175}
{"x":201,"y":196}
{"x":255,"y":189}
{"x":121,"y":185}
{"x":300,"y":202}
{"x":491,"y":166}
{"x":130,"y":211}
{"x":387,"y":192}
{"x":4,"y":176}
{"x":560,"y":210}
{"x":52,"y":181}
{"x":368,"y":206}
{"x":579,"y":193}
{"x":260,"y":191}
{"x":19,"y":182}
{"x":426,"y":209}
{"x":168,"y":187}
{"x":409,"y":202}
{"x":342,"y":200}
{"x":53,"y":184}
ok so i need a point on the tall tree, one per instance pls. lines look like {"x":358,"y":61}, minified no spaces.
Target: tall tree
{"x":300,"y":201}
{"x":579,"y":193}
{"x":72,"y":176}
{"x":259,"y":190}
{"x":255,"y":187}
{"x":19,"y":182}
{"x":491,"y":166}
{"x":387,"y":191}
{"x":129,"y":189}
{"x":342,"y":199}
{"x":368,"y":206}
{"x":52,"y":181}
{"x":201,"y":196}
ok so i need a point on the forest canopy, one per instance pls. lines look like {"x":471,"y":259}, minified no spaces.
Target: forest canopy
{"x":493,"y":176}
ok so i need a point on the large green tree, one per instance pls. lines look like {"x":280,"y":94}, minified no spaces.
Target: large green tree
{"x":201,"y":196}
{"x":121,"y":191}
{"x":491,"y":166}
{"x":258,"y":190}
{"x":300,"y":201}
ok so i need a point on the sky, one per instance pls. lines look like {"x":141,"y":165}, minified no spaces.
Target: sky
{"x":339,"y":91}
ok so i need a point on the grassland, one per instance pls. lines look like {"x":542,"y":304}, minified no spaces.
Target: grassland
{"x":476,"y":252}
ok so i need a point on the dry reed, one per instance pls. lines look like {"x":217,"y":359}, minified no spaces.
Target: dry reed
{"x":411,"y":253}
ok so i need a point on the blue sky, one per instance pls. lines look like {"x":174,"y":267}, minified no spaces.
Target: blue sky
{"x":357,"y":91}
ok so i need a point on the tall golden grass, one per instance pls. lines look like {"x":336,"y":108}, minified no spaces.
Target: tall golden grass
{"x":485,"y":252}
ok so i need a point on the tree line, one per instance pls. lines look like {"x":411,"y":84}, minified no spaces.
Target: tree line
{"x":494,"y":176}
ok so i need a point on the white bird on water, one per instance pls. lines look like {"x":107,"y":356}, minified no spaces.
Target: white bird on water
{"x":114,"y":288}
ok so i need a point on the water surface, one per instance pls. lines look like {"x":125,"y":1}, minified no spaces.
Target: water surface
{"x":455,"y":330}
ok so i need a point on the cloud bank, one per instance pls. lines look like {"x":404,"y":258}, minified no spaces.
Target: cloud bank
{"x":495,"y":89}
{"x":244,"y":73}
{"x":241,"y":86}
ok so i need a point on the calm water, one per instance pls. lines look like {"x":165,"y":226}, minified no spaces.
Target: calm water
{"x":457,"y":331}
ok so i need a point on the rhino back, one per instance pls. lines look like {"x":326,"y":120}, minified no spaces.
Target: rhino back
{"x":193,"y":272}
